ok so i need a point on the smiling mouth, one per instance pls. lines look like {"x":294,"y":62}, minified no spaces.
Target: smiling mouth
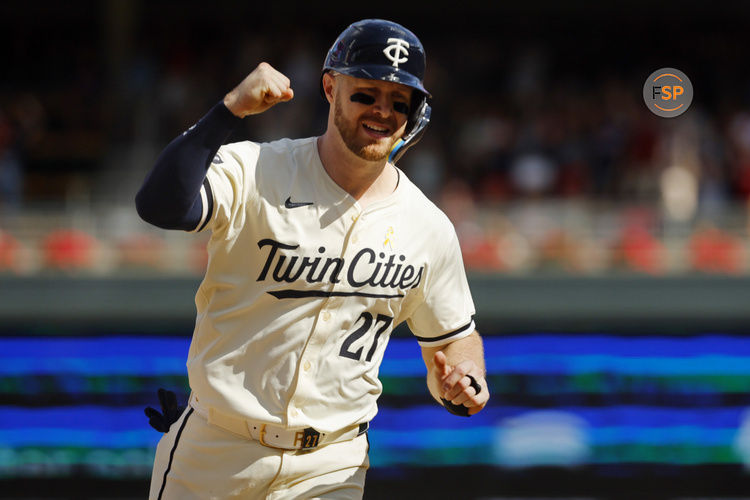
{"x":376,"y":130}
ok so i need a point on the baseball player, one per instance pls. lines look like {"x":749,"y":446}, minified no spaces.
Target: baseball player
{"x":319,"y":247}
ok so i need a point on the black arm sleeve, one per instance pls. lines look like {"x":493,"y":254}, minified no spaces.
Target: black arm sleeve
{"x":170,"y":195}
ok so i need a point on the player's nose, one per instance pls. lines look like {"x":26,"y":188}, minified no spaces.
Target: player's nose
{"x":383,"y":106}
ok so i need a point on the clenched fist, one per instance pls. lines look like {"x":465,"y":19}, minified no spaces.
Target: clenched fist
{"x":261,"y":89}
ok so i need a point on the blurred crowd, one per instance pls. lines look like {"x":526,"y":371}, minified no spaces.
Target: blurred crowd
{"x":540,"y":163}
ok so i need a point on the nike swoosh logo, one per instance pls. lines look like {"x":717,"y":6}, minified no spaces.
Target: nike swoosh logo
{"x":294,"y":204}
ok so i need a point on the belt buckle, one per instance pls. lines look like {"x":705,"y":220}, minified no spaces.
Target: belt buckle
{"x":263,"y":435}
{"x":308,"y":439}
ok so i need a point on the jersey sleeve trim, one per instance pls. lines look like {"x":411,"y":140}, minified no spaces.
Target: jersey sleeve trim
{"x":207,"y":197}
{"x":456,"y":334}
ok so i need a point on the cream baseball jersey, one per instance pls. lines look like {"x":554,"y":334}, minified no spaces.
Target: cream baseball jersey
{"x":304,"y":287}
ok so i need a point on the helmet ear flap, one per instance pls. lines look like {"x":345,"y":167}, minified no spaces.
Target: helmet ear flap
{"x":420,"y":118}
{"x":418,"y":101}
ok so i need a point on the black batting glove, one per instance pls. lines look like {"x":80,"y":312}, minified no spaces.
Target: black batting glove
{"x":460,"y":410}
{"x":170,"y":411}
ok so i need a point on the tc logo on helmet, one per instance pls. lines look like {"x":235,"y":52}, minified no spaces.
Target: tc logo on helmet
{"x":393,"y":51}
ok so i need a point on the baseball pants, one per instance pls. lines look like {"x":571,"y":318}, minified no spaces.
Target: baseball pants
{"x":198,"y":460}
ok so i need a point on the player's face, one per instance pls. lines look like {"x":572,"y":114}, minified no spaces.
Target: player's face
{"x":370,"y":115}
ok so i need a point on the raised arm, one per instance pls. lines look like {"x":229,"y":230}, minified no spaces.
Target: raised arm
{"x":170,"y":196}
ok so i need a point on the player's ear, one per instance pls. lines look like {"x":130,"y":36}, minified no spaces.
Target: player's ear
{"x":329,"y":82}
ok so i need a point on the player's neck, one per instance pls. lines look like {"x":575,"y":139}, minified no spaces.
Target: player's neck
{"x":366,"y":181}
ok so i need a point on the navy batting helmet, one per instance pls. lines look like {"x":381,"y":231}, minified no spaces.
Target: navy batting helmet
{"x":377,"y":49}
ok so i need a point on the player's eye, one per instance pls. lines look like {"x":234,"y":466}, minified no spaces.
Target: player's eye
{"x":368,"y":100}
{"x":362,"y":98}
{"x":401,"y":107}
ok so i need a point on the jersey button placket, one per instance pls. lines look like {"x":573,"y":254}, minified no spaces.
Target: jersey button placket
{"x":355,"y":218}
